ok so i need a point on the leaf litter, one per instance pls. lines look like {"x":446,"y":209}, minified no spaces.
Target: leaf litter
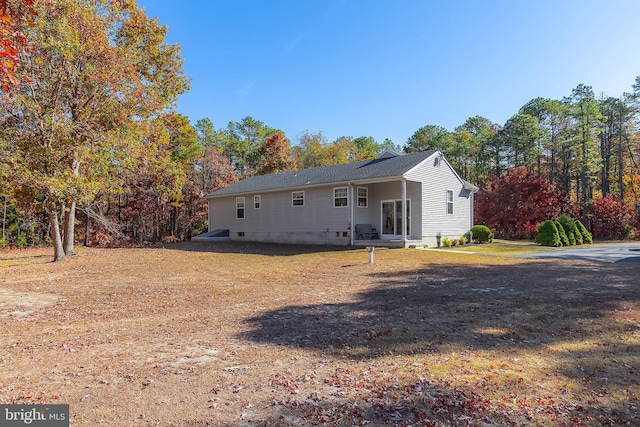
{"x":235,"y":334}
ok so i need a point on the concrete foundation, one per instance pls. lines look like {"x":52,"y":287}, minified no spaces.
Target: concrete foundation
{"x":294,"y":238}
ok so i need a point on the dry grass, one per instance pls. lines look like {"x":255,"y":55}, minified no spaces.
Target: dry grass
{"x":502,"y":247}
{"x":228,"y":334}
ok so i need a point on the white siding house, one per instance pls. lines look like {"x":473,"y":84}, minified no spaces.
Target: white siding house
{"x":328,"y":205}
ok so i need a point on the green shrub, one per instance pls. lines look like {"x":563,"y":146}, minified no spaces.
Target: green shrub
{"x":586,"y":236}
{"x":21,"y":241}
{"x":577,"y":234}
{"x":463,"y":240}
{"x":200,"y":227}
{"x":447,"y":242}
{"x":563,"y":236}
{"x":570,"y":229}
{"x":548,"y":234}
{"x":481,"y":234}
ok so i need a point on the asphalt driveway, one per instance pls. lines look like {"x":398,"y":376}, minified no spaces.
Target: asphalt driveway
{"x":602,"y":252}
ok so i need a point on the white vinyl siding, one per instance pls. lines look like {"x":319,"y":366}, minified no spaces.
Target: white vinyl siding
{"x":278,"y":215}
{"x":363,"y":197}
{"x":340,"y":197}
{"x":436,"y":177}
{"x":239,"y":207}
{"x":297,"y":198}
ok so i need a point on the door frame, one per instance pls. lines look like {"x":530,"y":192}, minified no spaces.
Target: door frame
{"x":406,"y":218}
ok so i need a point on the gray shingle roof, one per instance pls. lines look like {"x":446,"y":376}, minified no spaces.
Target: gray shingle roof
{"x":385,"y":167}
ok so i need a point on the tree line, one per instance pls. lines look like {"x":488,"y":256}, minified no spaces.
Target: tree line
{"x":93,"y":151}
{"x":586,"y":149}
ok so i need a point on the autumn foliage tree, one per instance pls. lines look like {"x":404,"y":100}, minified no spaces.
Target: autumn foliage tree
{"x":513,"y":203}
{"x":154,"y":198}
{"x":275,"y":155}
{"x":163,"y":196}
{"x":212,"y":171}
{"x":13,"y":42}
{"x":95,"y":72}
{"x":611,"y":218}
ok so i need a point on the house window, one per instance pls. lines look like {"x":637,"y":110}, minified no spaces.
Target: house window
{"x":297,"y":198}
{"x":256,"y":202}
{"x":363,"y":197}
{"x":340,"y":197}
{"x":239,"y":207}
{"x":449,"y":202}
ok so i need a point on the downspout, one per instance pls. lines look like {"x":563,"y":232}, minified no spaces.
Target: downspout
{"x":351,"y":229}
{"x":403,"y":213}
{"x":473,"y":198}
{"x":209,"y":215}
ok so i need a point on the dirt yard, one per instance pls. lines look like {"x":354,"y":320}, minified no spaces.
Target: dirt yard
{"x":254,"y":335}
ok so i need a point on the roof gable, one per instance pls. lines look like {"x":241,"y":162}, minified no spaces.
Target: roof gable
{"x":391,"y":165}
{"x":387,"y":152}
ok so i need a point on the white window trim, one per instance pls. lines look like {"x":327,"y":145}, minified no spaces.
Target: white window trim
{"x":239,"y":201}
{"x":257,"y":200}
{"x":341,"y":197}
{"x":365,"y":197}
{"x":293,"y":199}
{"x":449,"y":202}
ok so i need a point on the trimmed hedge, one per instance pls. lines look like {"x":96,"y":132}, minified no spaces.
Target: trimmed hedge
{"x":548,"y":234}
{"x":481,"y":234}
{"x":568,"y":225}
{"x":569,"y":232}
{"x":564,"y":239}
{"x":586,"y":236}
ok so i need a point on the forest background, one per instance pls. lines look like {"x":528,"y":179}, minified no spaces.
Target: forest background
{"x":92,"y":150}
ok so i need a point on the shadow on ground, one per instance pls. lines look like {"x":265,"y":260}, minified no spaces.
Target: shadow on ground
{"x":528,"y":306}
{"x":256,"y":248}
{"x":516,"y":306}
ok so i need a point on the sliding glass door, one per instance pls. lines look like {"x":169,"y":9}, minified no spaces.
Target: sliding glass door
{"x":392,"y":218}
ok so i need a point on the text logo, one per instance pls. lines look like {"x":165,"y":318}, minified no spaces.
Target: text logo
{"x":34,"y":415}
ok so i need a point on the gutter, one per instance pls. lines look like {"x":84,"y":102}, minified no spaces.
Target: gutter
{"x":325,"y":184}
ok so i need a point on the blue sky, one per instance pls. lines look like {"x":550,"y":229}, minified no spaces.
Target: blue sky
{"x":386,"y":68}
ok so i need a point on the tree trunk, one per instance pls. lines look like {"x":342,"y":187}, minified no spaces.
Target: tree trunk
{"x":4,"y":219}
{"x":58,"y":249}
{"x":87,"y":225}
{"x":69,"y":228}
{"x":605,"y":151}
{"x":70,"y":215}
{"x":566,"y":174}
{"x":552,"y":168}
{"x":620,"y":163}
{"x":539,"y":156}
{"x":584,"y":196}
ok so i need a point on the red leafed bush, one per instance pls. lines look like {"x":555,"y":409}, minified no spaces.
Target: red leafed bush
{"x":612,"y":218}
{"x":512,"y":204}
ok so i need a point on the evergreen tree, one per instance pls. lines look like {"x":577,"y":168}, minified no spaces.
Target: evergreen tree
{"x":548,"y":234}
{"x":563,"y":236}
